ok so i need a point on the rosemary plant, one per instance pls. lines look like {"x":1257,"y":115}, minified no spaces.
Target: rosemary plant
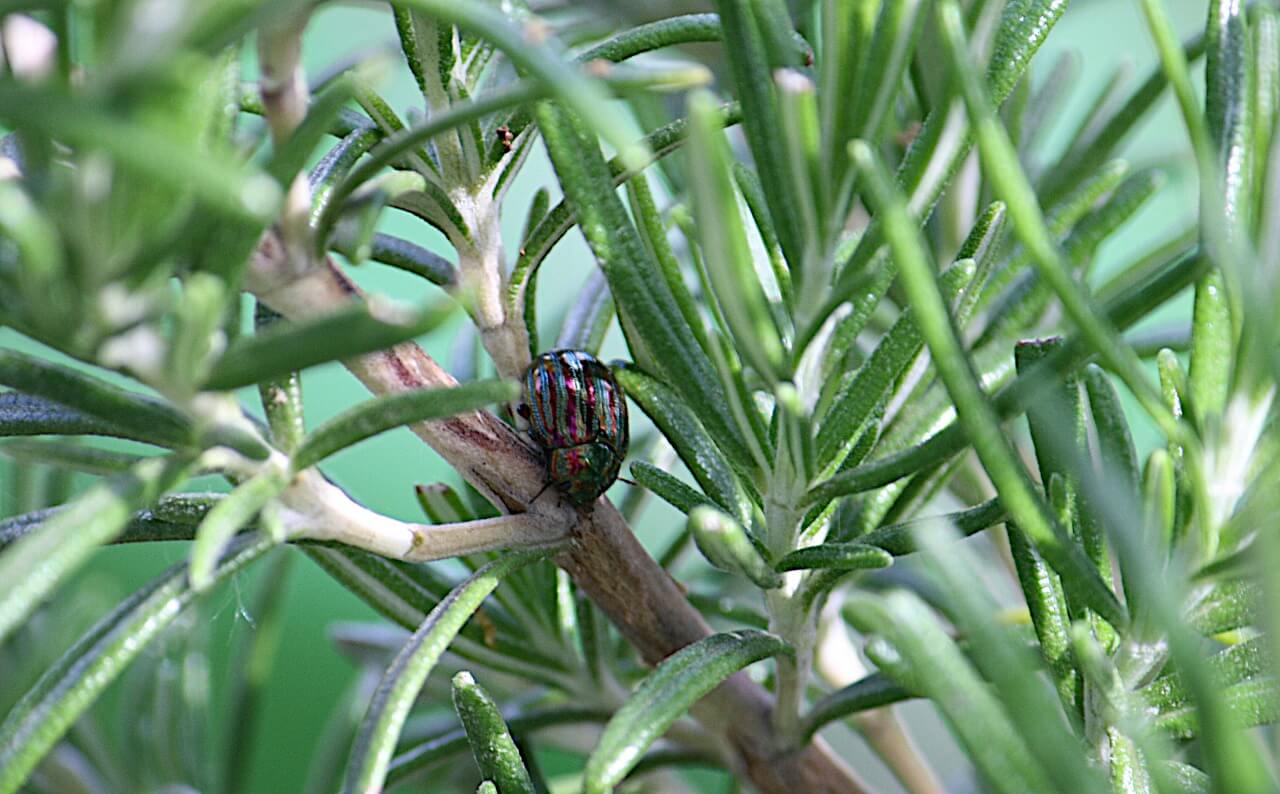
{"x":854,"y":282}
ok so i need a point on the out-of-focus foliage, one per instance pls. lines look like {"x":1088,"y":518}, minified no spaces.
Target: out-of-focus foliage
{"x":844,"y":270}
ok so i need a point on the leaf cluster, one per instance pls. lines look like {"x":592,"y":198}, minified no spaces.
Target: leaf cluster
{"x":861,"y":303}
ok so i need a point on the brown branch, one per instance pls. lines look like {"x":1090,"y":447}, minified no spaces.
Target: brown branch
{"x":603,"y":557}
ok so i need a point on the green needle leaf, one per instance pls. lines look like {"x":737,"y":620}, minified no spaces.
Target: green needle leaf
{"x":173,"y":517}
{"x":1124,"y":309}
{"x":136,"y":415}
{"x":455,"y":741}
{"x":837,"y":556}
{"x":1231,"y":666}
{"x":386,"y":413}
{"x":752,"y":65}
{"x":289,"y":347}
{"x":1005,"y":661}
{"x":681,"y":425}
{"x":1086,"y":155}
{"x":1248,"y":704}
{"x":36,"y":564}
{"x":28,"y":415}
{"x":1047,"y":604}
{"x":1228,"y":606}
{"x":1027,"y":296}
{"x":72,"y":685}
{"x":403,"y":680}
{"x":726,"y":545}
{"x":727,"y":254}
{"x":944,"y":141}
{"x":872,"y":692}
{"x":1226,"y":113}
{"x":972,"y":406}
{"x":897,"y":30}
{"x":402,"y":255}
{"x":921,"y":651}
{"x":847,"y":420}
{"x":1160,"y":497}
{"x":666,"y":694}
{"x":495,"y":752}
{"x":670,"y":489}
{"x":656,"y":35}
{"x":900,"y":539}
{"x":228,"y":517}
{"x":1052,"y":608}
{"x":1000,"y":164}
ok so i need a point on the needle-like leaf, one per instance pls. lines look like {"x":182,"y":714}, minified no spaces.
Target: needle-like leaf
{"x":400,"y":685}
{"x":975,"y":412}
{"x":926,"y":660}
{"x":386,"y":413}
{"x":665,"y":695}
{"x":136,"y":415}
{"x":495,"y":752}
{"x":681,"y":425}
{"x":286,"y":348}
{"x":38,"y":562}
{"x":67,"y":690}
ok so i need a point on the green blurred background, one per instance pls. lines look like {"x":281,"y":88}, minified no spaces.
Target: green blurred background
{"x":310,"y":674}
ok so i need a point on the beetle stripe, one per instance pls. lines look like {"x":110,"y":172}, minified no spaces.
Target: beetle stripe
{"x":578,"y":415}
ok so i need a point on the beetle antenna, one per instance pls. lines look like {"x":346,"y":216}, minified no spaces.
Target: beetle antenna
{"x":541,"y":491}
{"x":632,"y":483}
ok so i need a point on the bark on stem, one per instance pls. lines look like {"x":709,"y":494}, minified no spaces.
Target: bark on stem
{"x":603,"y":556}
{"x":321,"y":511}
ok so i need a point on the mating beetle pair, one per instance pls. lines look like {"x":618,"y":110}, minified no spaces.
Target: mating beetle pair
{"x":577,"y":413}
